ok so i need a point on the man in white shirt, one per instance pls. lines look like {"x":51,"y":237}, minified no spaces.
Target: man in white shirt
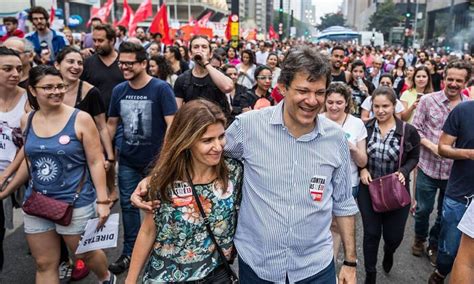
{"x":262,"y":53}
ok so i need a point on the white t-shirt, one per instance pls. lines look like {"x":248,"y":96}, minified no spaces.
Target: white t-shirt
{"x":467,"y":222}
{"x":261,"y":57}
{"x":355,"y":131}
{"x":367,"y":105}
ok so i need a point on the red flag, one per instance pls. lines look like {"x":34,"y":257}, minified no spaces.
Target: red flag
{"x":203,"y":21}
{"x":127,"y":16}
{"x":227,"y":29}
{"x":160,"y":25}
{"x":102,"y":13}
{"x":272,"y":34}
{"x":144,"y":11}
{"x":52,"y":12}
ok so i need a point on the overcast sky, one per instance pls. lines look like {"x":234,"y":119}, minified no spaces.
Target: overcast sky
{"x":325,"y":6}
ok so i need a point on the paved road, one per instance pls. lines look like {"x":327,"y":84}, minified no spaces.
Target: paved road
{"x":19,"y":265}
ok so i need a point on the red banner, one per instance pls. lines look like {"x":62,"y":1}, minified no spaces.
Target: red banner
{"x":102,"y":12}
{"x":127,"y":16}
{"x":160,"y":25}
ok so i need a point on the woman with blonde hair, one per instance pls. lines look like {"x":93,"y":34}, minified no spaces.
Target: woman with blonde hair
{"x":175,"y":239}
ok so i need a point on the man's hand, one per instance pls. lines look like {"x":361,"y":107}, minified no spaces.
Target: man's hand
{"x":434,"y":150}
{"x":140,"y":192}
{"x":347,"y":275}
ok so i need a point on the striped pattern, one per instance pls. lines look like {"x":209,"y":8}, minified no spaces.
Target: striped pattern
{"x":281,"y":230}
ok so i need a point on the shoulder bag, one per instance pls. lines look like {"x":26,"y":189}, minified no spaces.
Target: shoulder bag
{"x":42,"y":206}
{"x":232,"y":276}
{"x":387,"y":192}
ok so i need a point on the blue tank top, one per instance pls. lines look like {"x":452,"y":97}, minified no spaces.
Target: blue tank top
{"x":57,"y":164}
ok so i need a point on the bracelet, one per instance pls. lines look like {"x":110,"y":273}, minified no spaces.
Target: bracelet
{"x":103,"y":202}
{"x":350,"y":263}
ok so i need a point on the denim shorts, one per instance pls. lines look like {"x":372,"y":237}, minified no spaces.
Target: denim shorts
{"x":36,"y":225}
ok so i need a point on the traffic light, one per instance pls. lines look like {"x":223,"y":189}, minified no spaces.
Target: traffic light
{"x":280,"y":10}
{"x":408,"y":14}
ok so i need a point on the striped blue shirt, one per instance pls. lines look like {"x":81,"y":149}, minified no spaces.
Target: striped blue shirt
{"x":282,"y":228}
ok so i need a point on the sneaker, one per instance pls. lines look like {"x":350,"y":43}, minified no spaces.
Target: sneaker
{"x":65,"y":272}
{"x":112,"y":279}
{"x":436,"y":278}
{"x":432,"y":253}
{"x":418,"y":247}
{"x":80,"y":270}
{"x":120,"y":265}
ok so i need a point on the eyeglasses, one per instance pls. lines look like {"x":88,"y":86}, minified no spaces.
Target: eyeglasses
{"x":387,"y":84}
{"x":51,"y":88}
{"x":264,"y":78}
{"x":127,"y":64}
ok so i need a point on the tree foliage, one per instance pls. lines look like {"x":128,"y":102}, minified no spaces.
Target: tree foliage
{"x":331,"y":19}
{"x":301,"y":27}
{"x":385,"y":18}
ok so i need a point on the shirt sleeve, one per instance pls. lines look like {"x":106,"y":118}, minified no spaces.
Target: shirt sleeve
{"x":178,"y":87}
{"x":167,"y":100}
{"x":343,"y":201}
{"x":399,"y":107}
{"x":95,"y":103}
{"x":235,"y":138}
{"x":362,"y":132}
{"x":419,"y":118}
{"x":466,"y":225}
{"x":367,"y":103}
{"x":114,"y":108}
{"x":452,"y":123}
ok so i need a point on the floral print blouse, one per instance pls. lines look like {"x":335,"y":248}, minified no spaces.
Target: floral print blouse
{"x":183,"y":250}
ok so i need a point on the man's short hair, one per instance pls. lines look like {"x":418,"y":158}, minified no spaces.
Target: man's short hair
{"x":338,"y":47}
{"x":38,"y":10}
{"x":122,"y":29}
{"x":459,"y":64}
{"x":137,"y":49}
{"x":307,"y":60}
{"x":109,"y":31}
{"x":96,"y":19}
{"x":199,"y":36}
{"x":12,"y":20}
{"x":28,"y":45}
{"x":154,"y":35}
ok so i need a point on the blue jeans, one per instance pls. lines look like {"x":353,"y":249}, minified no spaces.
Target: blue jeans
{"x":426,"y":188}
{"x":128,"y":179}
{"x":325,"y":276}
{"x":450,"y":235}
{"x":355,"y":191}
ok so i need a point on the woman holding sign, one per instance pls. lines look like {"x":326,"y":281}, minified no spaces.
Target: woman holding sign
{"x":191,"y":179}
{"x":65,"y":165}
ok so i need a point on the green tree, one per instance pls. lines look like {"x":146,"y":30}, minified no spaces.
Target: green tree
{"x":301,"y":27}
{"x":331,"y":19}
{"x":385,"y":18}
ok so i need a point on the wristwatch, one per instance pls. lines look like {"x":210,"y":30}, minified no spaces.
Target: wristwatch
{"x":350,"y":263}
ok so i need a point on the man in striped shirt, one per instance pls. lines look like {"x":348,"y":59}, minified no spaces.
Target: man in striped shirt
{"x":296,"y":178}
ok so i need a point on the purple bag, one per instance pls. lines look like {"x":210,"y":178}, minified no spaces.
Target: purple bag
{"x":387,"y":192}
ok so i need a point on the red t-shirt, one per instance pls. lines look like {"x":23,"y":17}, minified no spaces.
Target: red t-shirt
{"x":17,"y":33}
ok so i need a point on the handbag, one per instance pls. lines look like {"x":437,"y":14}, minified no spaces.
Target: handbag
{"x":42,"y":206}
{"x":232,"y":276}
{"x":387,"y":192}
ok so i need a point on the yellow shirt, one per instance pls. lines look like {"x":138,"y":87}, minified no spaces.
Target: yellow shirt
{"x":410,"y":96}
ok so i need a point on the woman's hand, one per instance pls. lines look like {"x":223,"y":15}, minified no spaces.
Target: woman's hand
{"x":103,"y":210}
{"x":413,"y":206}
{"x":106,"y":165}
{"x":401,"y":177}
{"x":365,"y":177}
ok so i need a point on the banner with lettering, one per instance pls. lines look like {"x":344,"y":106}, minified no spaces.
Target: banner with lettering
{"x":105,"y":237}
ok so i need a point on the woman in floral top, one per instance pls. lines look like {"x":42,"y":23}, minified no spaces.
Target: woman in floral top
{"x":175,"y":234}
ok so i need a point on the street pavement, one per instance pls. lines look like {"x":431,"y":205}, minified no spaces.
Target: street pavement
{"x":19,"y":265}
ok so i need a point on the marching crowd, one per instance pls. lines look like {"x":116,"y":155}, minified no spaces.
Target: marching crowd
{"x":262,"y":153}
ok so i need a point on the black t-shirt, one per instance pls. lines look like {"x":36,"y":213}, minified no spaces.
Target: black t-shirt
{"x":188,"y":88}
{"x":459,"y":124}
{"x":436,"y":81}
{"x":92,"y":103}
{"x":105,"y":78}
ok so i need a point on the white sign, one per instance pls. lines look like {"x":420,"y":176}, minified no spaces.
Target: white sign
{"x":105,"y":237}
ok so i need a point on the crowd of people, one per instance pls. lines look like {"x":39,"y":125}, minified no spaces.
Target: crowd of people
{"x":262,"y":152}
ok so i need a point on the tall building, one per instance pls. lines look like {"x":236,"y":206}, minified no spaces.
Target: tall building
{"x":241,"y":7}
{"x":256,"y":10}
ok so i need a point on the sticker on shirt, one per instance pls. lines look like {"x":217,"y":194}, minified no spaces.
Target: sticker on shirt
{"x":316,"y":187}
{"x":182,"y":194}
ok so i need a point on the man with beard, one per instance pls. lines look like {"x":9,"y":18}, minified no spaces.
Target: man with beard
{"x":337,"y":74}
{"x":146,"y":107}
{"x":101,"y":69}
{"x":422,"y":58}
{"x":56,"y":41}
{"x":25,"y":49}
{"x":141,"y":35}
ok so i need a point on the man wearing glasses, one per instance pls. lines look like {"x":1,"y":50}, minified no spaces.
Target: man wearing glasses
{"x":56,"y":41}
{"x":146,"y":107}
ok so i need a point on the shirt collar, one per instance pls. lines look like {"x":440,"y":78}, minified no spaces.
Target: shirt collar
{"x":277,"y":119}
{"x":441,"y":97}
